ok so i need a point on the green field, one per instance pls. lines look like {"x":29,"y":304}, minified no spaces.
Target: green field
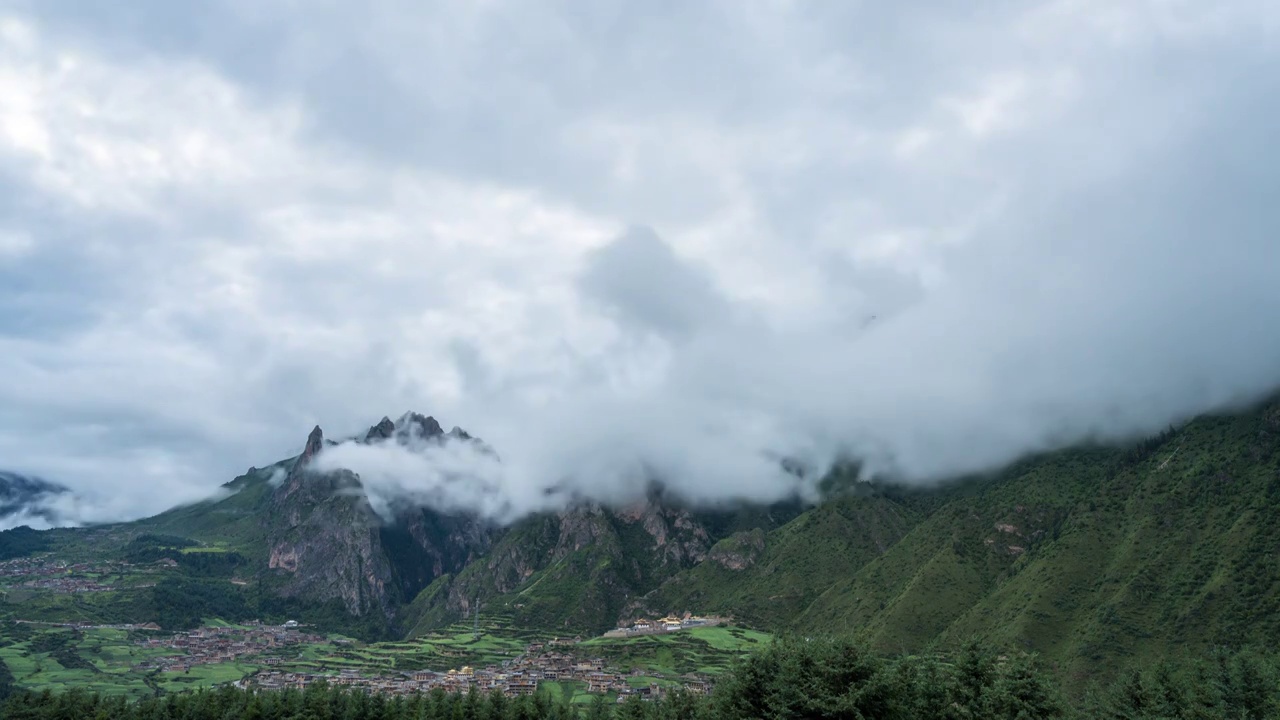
{"x":58,"y":658}
{"x":105,"y":660}
{"x":708,"y":650}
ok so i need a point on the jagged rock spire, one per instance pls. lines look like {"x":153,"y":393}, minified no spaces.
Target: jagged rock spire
{"x":382,"y":431}
{"x":426,"y":425}
{"x":315,"y":441}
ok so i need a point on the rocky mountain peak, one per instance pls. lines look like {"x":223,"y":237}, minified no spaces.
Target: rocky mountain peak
{"x":413,"y":426}
{"x":315,"y":441}
{"x":384,"y":430}
{"x":417,"y":425}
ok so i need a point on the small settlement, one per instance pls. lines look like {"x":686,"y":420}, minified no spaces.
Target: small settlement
{"x":45,"y":573}
{"x":515,"y":677}
{"x":208,"y":645}
{"x":670,"y":623}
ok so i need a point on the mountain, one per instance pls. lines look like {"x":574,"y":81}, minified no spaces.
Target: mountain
{"x":586,"y":567}
{"x":1091,"y":556}
{"x":24,"y":499}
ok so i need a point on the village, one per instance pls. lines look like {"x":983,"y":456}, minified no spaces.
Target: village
{"x":208,"y":645}
{"x":44,"y":573}
{"x":518,"y":676}
{"x":664,"y":625}
{"x":275,"y":649}
{"x":513,"y":678}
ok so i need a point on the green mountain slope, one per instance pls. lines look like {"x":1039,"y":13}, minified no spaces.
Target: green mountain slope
{"x":585,"y":568}
{"x":1089,"y":556}
{"x":768,"y":579}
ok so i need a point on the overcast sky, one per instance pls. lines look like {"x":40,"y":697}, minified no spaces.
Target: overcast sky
{"x":613,"y":235}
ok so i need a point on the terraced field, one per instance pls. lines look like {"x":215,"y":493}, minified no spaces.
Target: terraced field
{"x":708,"y":650}
{"x":106,"y":660}
{"x":95,"y":660}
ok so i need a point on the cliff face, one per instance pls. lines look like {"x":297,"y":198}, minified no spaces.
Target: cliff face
{"x":586,"y":567}
{"x":581,"y":568}
{"x":325,"y":541}
{"x":323,"y":538}
{"x":423,"y":544}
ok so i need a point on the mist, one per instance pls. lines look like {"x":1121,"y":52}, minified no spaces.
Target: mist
{"x":639,"y":244}
{"x":1114,"y":306}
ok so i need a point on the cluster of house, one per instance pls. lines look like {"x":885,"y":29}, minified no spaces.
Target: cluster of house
{"x":208,"y":645}
{"x":47,"y":565}
{"x":513,"y":678}
{"x":667,"y":624}
{"x":46,"y":573}
{"x":34,"y":565}
{"x":68,"y":585}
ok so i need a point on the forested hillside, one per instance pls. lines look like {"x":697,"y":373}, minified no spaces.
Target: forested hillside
{"x":1094,"y":557}
{"x":818,"y":678}
{"x":1091,"y":556}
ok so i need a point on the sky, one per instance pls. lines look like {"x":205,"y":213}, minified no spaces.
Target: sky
{"x":624,"y":239}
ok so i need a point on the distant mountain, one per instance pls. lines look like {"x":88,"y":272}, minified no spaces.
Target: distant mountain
{"x":24,"y":499}
{"x":314,"y":536}
{"x":1089,"y":555}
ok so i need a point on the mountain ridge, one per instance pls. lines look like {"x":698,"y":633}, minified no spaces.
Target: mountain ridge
{"x":25,"y":497}
{"x":1090,"y":555}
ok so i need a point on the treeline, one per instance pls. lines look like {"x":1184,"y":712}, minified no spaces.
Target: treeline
{"x":149,"y":547}
{"x":21,"y":542}
{"x":793,"y":678}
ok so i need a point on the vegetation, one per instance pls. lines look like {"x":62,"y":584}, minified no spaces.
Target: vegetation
{"x":21,"y":542}
{"x":792,"y":678}
{"x":710,"y":650}
{"x":1093,"y":557}
{"x":1096,"y":559}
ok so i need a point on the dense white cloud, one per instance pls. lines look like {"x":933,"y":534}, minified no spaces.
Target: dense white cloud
{"x":224,"y":225}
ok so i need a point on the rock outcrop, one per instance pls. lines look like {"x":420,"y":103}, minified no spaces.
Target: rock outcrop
{"x":324,"y":539}
{"x":738,"y":551}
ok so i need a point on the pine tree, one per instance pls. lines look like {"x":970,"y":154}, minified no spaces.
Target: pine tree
{"x":599,"y":709}
{"x":1020,"y":692}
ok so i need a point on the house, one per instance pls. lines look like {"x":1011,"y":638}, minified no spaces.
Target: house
{"x":598,"y":682}
{"x":521,"y":686}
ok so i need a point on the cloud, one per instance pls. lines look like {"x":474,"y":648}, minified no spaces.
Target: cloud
{"x":277,"y":476}
{"x":933,"y":238}
{"x":645,"y":285}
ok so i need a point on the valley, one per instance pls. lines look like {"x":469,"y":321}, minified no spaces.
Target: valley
{"x":1095,"y":558}
{"x":142,"y":660}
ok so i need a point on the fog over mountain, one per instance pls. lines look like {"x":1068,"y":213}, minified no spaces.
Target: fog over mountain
{"x":616,"y":244}
{"x":33,"y":502}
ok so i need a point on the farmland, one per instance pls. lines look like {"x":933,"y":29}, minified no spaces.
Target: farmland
{"x":137,"y":662}
{"x":709,"y":650}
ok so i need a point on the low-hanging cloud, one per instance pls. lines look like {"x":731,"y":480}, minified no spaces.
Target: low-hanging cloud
{"x":1103,"y":332}
{"x":925,"y":238}
{"x":1114,"y":306}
